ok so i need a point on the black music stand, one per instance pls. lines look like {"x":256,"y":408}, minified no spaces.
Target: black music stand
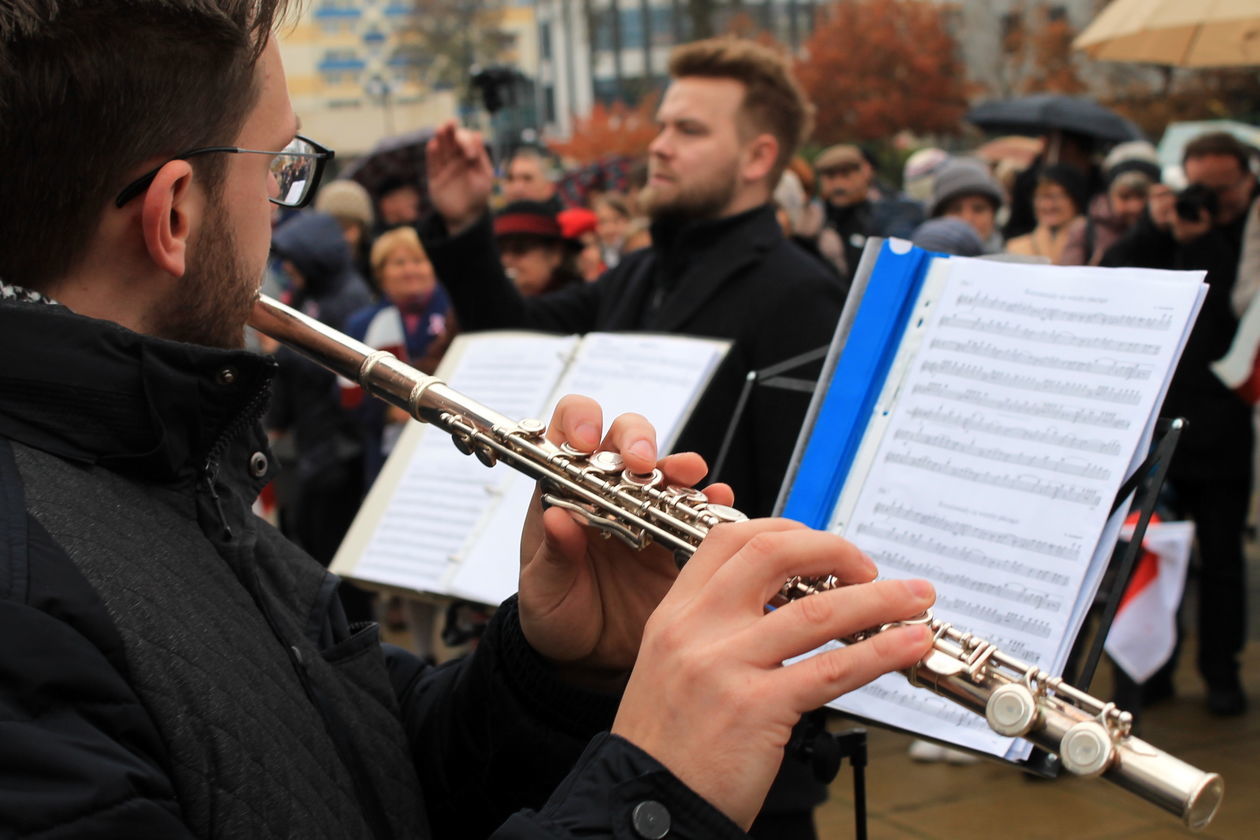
{"x":771,"y":377}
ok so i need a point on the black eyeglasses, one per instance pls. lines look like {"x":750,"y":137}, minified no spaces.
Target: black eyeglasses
{"x":297,"y":169}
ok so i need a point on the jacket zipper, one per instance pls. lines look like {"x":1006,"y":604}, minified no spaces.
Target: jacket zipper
{"x":210,"y":471}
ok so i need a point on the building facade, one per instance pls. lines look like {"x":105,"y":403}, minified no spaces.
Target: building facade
{"x":357,"y":73}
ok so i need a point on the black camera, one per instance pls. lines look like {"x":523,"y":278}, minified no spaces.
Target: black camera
{"x":1193,"y":200}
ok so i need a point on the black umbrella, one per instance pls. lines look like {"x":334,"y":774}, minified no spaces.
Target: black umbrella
{"x":1046,"y":112}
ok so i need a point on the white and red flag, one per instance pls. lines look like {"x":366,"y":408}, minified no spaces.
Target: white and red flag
{"x":1144,"y":631}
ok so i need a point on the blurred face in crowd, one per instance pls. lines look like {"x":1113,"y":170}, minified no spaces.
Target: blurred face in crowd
{"x":693,"y":164}
{"x":1052,"y":205}
{"x":228,"y":254}
{"x":526,"y":180}
{"x":406,"y":276}
{"x":399,"y":206}
{"x":530,"y":260}
{"x":975,"y":210}
{"x":1127,"y":199}
{"x":610,"y":224}
{"x":1225,"y":176}
{"x":846,"y":184}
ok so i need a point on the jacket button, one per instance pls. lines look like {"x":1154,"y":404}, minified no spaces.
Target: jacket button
{"x":225,"y":376}
{"x":258,"y":465}
{"x":650,"y":820}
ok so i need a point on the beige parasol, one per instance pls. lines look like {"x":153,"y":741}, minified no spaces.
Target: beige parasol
{"x":1180,"y":33}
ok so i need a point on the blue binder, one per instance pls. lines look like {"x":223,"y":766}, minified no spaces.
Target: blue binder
{"x":856,"y":382}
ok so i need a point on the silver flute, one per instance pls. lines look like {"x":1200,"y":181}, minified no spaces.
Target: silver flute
{"x":1090,"y":737}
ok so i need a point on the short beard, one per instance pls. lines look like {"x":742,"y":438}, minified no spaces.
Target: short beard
{"x":212,"y":301}
{"x":702,"y":201}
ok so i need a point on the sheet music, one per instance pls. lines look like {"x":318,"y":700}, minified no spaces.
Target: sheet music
{"x":431,"y":498}
{"x":1019,"y":414}
{"x":657,"y":376}
{"x":439,"y":521}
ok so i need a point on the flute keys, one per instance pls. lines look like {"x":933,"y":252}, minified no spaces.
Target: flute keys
{"x":606,"y":462}
{"x":573,"y":452}
{"x":647,"y":479}
{"x":1011,"y":710}
{"x":1086,"y":749}
{"x":531,"y":428}
{"x":725,"y":513}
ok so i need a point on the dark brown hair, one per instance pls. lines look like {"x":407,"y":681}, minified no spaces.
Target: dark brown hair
{"x":773,"y":101}
{"x":1218,"y":143}
{"x":92,"y":90}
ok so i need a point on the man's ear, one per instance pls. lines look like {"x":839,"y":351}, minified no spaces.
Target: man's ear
{"x":761,"y":155}
{"x":170,"y":212}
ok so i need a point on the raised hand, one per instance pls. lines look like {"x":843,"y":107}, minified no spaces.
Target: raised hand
{"x":708,"y":697}
{"x":460,"y":176}
{"x":583,"y":599}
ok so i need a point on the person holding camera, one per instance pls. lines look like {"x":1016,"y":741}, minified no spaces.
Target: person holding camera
{"x":1201,"y":228}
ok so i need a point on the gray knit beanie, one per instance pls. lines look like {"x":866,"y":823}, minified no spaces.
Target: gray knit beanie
{"x":962,"y":176}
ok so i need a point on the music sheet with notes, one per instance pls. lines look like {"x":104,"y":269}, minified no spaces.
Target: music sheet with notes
{"x":441,"y":522}
{"x":1017,"y":406}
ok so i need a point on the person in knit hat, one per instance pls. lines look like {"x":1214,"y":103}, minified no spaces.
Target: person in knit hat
{"x":349,"y":203}
{"x":1130,"y":170}
{"x":1058,"y":205}
{"x":965,"y":189}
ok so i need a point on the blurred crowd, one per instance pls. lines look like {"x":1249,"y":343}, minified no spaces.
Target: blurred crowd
{"x":355,"y":262}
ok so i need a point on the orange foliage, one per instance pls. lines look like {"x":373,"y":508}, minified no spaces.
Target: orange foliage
{"x":615,"y":130}
{"x":877,"y":67}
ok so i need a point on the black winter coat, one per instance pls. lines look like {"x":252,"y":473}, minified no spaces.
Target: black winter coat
{"x":173,"y":668}
{"x":737,"y":278}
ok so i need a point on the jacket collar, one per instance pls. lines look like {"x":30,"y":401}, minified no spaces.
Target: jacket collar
{"x":94,"y":392}
{"x":696,"y":259}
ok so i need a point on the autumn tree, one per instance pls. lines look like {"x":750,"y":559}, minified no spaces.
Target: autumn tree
{"x":618,"y":129}
{"x":874,"y":68}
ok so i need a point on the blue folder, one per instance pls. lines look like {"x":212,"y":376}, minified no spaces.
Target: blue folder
{"x":855,"y":383}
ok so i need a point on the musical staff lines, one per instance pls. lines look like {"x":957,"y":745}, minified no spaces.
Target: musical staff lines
{"x":919,"y":700}
{"x":1010,"y":619}
{"x":1062,"y":338}
{"x":1006,"y":539}
{"x":978,"y":373}
{"x":1036,"y":599}
{"x":972,"y":556}
{"x":1098,"y":367}
{"x":1049,"y":410}
{"x":981,"y":300}
{"x":1006,"y":481}
{"x":1042,"y":462}
{"x":976,"y":422}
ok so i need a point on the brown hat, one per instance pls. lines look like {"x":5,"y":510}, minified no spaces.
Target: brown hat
{"x":839,"y":155}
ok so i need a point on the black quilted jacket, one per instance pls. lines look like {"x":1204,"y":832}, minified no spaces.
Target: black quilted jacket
{"x":171,"y":667}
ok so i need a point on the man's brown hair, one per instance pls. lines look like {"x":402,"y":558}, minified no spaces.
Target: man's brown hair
{"x":773,"y":101}
{"x":91,"y":90}
{"x":1218,"y":143}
